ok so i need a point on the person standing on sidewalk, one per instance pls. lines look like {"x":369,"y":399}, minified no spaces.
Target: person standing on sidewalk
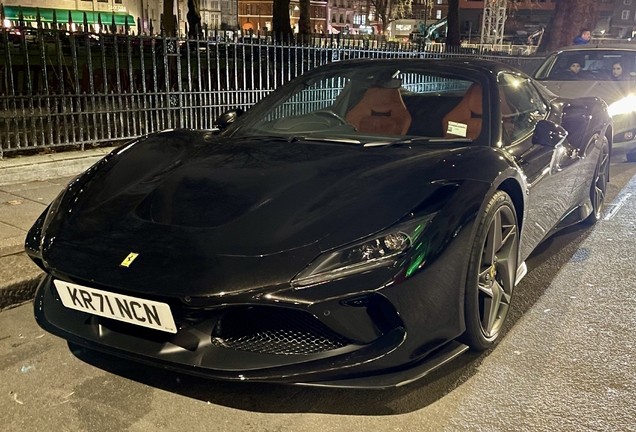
{"x":583,"y":37}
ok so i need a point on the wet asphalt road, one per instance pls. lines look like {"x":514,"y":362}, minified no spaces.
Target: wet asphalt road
{"x":566,"y":363}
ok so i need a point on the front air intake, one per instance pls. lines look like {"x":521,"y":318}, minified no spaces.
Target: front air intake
{"x":270,"y":330}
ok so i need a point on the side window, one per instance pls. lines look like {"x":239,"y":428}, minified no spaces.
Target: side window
{"x":521,"y":106}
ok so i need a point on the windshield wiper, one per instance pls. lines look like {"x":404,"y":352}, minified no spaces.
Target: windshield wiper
{"x":268,"y":138}
{"x":328,"y":139}
{"x":416,"y":140}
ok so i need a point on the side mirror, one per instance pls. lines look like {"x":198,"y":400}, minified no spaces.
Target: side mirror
{"x":548,"y":133}
{"x":227,"y":118}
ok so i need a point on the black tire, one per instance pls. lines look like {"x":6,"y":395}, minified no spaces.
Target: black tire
{"x":492,"y":271}
{"x":598,"y":188}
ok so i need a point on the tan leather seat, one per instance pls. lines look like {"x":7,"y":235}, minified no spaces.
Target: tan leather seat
{"x":468,"y":111}
{"x":382,"y":111}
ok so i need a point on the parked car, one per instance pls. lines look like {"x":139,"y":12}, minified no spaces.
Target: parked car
{"x":358,"y":227}
{"x":604,"y":71}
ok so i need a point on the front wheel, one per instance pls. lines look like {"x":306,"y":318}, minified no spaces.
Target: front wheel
{"x":492,"y":272}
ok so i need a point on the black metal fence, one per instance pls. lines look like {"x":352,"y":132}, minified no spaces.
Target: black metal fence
{"x":70,"y":85}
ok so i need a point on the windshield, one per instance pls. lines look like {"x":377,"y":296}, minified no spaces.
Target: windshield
{"x":592,"y":65}
{"x":362,"y":105}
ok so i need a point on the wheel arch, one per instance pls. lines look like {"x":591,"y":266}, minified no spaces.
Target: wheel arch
{"x":609,"y":134}
{"x":513,"y":189}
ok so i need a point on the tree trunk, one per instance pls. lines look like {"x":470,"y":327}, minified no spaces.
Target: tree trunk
{"x":194,"y":19}
{"x":168,"y":17}
{"x":452,"y":34}
{"x":569,"y":18}
{"x":280,"y":20}
{"x":304,"y":23}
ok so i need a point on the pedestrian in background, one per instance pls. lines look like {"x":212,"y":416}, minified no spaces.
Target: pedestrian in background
{"x":583,"y":37}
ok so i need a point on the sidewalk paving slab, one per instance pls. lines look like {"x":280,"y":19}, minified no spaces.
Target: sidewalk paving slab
{"x":27,"y":185}
{"x":43,"y":167}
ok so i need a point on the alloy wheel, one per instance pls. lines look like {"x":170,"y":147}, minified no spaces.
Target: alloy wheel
{"x":497,"y":272}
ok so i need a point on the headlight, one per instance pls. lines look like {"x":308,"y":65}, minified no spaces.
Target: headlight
{"x":380,"y":250}
{"x":623,"y":106}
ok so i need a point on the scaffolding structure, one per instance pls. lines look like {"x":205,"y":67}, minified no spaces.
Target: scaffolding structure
{"x":492,"y":26}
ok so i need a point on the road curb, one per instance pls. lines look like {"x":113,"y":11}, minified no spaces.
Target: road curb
{"x":19,"y":292}
{"x":19,"y":277}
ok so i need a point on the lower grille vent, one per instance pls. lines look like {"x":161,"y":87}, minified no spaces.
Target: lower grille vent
{"x":269,"y":330}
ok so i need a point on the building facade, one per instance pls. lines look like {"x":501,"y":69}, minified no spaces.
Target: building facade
{"x":429,"y":11}
{"x":623,"y":21}
{"x":256,"y":15}
{"x":523,"y":17}
{"x":215,"y":14}
{"x":96,"y":11}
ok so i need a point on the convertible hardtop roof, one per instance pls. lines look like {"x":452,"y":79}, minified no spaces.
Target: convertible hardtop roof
{"x":598,"y":47}
{"x":482,"y":66}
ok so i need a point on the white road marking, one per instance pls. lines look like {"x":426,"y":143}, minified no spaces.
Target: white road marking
{"x":617,"y":207}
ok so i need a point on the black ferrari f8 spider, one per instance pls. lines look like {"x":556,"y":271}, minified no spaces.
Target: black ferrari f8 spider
{"x":360,"y":226}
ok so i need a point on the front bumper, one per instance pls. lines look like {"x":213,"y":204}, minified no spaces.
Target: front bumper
{"x":369,"y":350}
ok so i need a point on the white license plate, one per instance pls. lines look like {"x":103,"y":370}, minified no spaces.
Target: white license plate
{"x":133,"y":310}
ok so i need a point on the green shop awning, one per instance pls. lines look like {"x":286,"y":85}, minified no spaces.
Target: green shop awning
{"x":29,"y":14}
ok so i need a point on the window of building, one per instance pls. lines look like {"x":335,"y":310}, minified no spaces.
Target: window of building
{"x":438,"y":14}
{"x":439,"y":1}
{"x":625,"y":15}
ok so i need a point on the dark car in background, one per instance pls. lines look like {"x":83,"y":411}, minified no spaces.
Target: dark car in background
{"x":360,"y":226}
{"x":604,"y":71}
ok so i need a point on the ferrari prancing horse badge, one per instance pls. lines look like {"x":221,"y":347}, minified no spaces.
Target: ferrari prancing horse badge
{"x":129,"y":259}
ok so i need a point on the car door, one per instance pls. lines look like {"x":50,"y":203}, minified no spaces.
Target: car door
{"x":551,"y":170}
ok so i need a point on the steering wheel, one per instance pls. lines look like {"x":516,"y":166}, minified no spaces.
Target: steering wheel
{"x":332,"y":115}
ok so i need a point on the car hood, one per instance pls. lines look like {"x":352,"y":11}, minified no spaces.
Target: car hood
{"x":192,"y":203}
{"x":609,"y":91}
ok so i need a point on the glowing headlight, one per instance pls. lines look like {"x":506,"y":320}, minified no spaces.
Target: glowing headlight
{"x":623,"y":106}
{"x":380,"y":250}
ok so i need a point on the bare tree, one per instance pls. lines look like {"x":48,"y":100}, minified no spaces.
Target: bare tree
{"x":382,"y":10}
{"x":388,"y":10}
{"x":280,"y":19}
{"x":402,"y":9}
{"x":569,"y":18}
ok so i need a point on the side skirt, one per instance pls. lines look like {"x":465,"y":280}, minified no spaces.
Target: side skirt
{"x":522,"y":270}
